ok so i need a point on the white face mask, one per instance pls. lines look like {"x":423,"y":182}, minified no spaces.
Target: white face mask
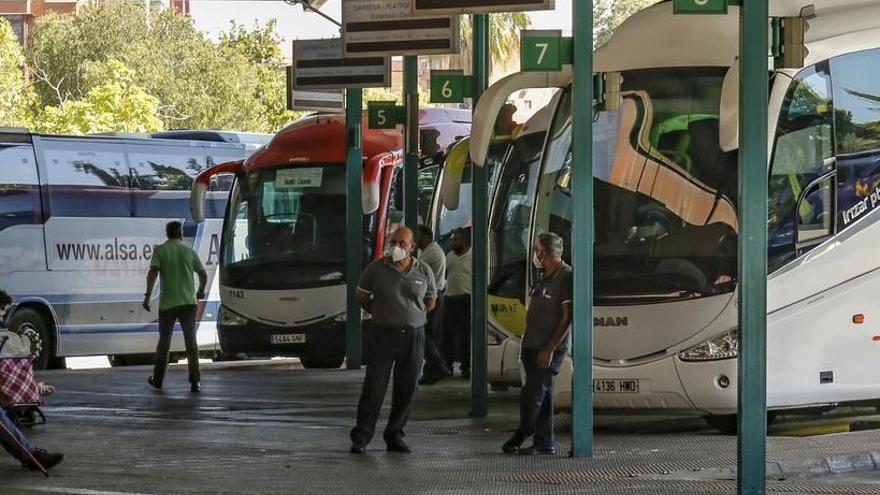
{"x":396,"y":253}
{"x":536,"y":261}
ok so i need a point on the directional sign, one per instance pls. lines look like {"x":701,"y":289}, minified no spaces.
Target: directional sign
{"x":384,"y":114}
{"x":319,"y":64}
{"x":544,"y":50}
{"x":450,"y":86}
{"x":700,"y":6}
{"x":479,"y":6}
{"x":388,"y":27}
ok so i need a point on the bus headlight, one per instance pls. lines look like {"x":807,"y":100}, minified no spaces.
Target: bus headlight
{"x":724,"y":346}
{"x":228,"y":318}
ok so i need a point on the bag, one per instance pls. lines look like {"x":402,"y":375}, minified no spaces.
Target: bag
{"x":14,"y":345}
{"x":17,"y":384}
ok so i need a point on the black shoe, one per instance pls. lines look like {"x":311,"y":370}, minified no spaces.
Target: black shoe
{"x":195,"y":388}
{"x":153,"y":383}
{"x":535,"y":450}
{"x":432,"y":377}
{"x":398,"y":445}
{"x":357,"y":448}
{"x":46,"y":459}
{"x":512,"y":446}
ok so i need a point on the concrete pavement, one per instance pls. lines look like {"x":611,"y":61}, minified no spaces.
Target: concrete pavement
{"x":276,"y":428}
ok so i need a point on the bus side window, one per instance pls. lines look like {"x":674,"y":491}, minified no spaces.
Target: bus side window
{"x":802,"y":158}
{"x":20,"y":191}
{"x":162,"y":177}
{"x":87,"y":179}
{"x":856,"y":83}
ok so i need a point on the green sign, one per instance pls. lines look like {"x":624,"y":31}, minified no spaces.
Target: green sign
{"x":541,"y":50}
{"x":700,"y":6}
{"x":384,"y":114}
{"x":450,"y":86}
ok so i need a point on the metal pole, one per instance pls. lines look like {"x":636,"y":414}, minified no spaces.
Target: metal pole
{"x":353,"y":220}
{"x":582,"y":229}
{"x":479,"y":230}
{"x":752,"y":291}
{"x":411,"y":141}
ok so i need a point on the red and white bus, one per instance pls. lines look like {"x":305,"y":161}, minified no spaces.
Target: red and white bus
{"x":282,"y":263}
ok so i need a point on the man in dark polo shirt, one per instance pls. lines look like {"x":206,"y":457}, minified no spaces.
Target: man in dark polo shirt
{"x":398,"y":291}
{"x":544,"y":345}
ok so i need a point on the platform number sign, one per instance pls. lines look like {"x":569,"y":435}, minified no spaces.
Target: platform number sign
{"x":541,"y":50}
{"x":383,"y":115}
{"x":700,"y":6}
{"x":448,"y":86}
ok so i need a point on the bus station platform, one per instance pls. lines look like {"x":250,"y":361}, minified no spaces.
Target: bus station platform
{"x":272,"y":427}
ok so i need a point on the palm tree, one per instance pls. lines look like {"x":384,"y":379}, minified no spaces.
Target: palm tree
{"x":503,"y":42}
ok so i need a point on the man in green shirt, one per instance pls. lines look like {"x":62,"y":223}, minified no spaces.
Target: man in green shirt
{"x":174,"y":264}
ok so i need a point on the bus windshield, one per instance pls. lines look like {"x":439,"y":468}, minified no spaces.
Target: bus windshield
{"x":284,"y":228}
{"x":665,"y":192}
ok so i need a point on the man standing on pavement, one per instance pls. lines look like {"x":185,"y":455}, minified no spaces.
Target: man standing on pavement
{"x":432,"y":254}
{"x":544,"y":346}
{"x":399,"y":292}
{"x":457,"y":318}
{"x":174,"y":264}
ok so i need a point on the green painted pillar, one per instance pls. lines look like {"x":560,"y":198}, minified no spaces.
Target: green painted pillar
{"x":582,"y":229}
{"x":353,"y":220}
{"x":479,"y":242}
{"x":752,"y":290}
{"x":411,"y":142}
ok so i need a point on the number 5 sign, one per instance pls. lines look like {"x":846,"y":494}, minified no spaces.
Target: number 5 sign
{"x":541,"y":50}
{"x":383,"y":115}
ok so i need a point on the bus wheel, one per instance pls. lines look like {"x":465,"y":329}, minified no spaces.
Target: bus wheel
{"x":331,"y":361}
{"x":727,"y":423}
{"x":28,"y":319}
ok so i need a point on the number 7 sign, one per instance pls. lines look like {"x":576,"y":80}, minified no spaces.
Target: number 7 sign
{"x":541,"y":50}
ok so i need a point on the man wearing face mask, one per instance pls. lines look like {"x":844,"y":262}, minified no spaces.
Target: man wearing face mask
{"x":399,"y":291}
{"x":544,"y":345}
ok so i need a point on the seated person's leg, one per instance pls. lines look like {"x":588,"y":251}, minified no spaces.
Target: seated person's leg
{"x":9,"y":443}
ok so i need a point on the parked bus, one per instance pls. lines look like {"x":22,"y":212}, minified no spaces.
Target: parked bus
{"x":79,"y":216}
{"x":282,"y":263}
{"x":666,"y":228}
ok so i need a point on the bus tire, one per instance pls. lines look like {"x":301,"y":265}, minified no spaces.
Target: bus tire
{"x":728,"y":424}
{"x":331,"y":361}
{"x":26,"y":318}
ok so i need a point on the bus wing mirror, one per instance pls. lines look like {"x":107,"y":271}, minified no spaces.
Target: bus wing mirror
{"x":202,"y":183}
{"x":453,"y":169}
{"x":491,"y":101}
{"x":728,"y":113}
{"x":370,"y":179}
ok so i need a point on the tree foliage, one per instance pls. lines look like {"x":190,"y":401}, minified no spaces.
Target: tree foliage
{"x":608,"y":15}
{"x":115,"y":103}
{"x":16,"y":95}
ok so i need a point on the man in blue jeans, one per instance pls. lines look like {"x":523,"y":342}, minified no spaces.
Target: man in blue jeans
{"x":14,"y":441}
{"x":544,"y":346}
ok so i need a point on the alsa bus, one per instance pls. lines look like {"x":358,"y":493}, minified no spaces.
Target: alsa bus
{"x":79,"y":216}
{"x":666,"y":201}
{"x":282,"y":280}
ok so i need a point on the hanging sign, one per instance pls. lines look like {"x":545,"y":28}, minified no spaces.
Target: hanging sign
{"x":320,"y":64}
{"x":479,"y":6}
{"x":389,"y":27}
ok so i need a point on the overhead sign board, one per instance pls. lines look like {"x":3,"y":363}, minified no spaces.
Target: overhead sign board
{"x":327,"y":100}
{"x":320,"y":64}
{"x":700,"y":6}
{"x":479,"y":6}
{"x":389,"y":27}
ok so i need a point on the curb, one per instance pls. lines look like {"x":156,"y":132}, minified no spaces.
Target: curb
{"x":839,"y":464}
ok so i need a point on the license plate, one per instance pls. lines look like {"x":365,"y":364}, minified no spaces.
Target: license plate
{"x":288,"y":338}
{"x":616,"y":386}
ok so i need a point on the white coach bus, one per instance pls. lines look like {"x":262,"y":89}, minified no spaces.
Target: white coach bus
{"x":666,"y":226}
{"x":79,"y":217}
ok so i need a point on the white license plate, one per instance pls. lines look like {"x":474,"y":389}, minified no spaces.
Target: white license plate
{"x":288,"y":338}
{"x":615,"y":386}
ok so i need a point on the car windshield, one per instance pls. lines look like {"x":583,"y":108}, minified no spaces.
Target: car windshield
{"x":284,"y":228}
{"x":665,"y":213}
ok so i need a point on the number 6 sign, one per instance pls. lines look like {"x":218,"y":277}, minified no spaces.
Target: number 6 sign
{"x":448,"y":86}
